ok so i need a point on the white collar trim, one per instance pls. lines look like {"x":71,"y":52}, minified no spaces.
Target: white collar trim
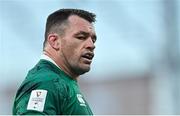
{"x":45,"y":57}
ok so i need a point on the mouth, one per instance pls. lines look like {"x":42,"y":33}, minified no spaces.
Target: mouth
{"x":88,"y":57}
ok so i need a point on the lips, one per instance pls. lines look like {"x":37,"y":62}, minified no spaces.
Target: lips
{"x":88,"y":56}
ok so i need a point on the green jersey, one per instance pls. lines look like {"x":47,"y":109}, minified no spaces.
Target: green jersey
{"x":50,"y":91}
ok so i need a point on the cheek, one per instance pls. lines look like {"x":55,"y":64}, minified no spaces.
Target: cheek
{"x":73,"y":52}
{"x":72,"y":49}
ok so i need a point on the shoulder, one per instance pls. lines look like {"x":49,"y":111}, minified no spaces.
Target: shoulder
{"x":48,"y":91}
{"x":42,"y":76}
{"x":43,"y":80}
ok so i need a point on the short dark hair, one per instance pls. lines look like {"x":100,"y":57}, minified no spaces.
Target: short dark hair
{"x":57,"y":21}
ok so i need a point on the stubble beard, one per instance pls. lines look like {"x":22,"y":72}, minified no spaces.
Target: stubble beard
{"x":78,"y":69}
{"x":74,"y":66}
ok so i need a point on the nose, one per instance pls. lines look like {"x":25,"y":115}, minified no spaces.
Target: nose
{"x":90,"y":44}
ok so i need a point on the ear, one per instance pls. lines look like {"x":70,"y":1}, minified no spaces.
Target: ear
{"x":53,"y":40}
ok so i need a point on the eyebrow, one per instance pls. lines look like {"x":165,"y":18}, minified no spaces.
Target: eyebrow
{"x":82,"y":33}
{"x":86,"y":34}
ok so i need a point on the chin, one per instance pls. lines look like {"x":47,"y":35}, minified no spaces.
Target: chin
{"x":86,"y":67}
{"x":83,"y":70}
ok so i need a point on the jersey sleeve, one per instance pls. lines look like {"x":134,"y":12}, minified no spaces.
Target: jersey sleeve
{"x":42,"y":98}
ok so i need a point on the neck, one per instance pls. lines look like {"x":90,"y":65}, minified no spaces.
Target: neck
{"x":60,"y":63}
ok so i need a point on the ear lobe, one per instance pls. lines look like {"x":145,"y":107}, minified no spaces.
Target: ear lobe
{"x":53,"y":41}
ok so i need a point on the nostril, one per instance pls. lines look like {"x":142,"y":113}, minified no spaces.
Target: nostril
{"x":91,"y":48}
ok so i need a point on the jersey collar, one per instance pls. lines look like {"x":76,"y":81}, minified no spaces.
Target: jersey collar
{"x":45,"y":57}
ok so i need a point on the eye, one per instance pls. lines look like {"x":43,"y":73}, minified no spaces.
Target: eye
{"x":94,"y":39}
{"x":81,"y":37}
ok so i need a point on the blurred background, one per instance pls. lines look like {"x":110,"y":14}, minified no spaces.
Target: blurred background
{"x":136,"y":69}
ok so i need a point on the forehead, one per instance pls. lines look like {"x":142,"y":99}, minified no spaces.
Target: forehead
{"x":77,"y":24}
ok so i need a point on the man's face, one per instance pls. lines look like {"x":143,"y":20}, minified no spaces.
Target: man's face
{"x":77,"y":45}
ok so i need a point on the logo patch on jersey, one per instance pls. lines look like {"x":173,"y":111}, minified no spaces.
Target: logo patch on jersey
{"x":81,"y":100}
{"x":37,"y":100}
